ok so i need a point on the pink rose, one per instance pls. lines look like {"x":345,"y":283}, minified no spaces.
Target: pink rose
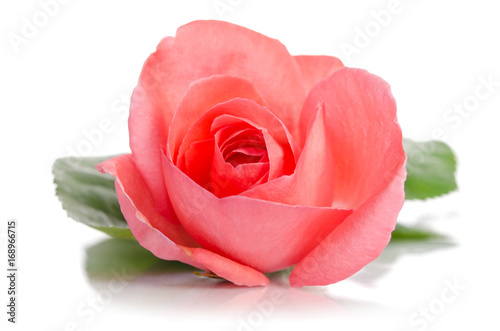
{"x":247,"y":160}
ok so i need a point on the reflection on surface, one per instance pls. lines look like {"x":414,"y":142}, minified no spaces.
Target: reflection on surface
{"x":172,"y":287}
{"x":394,"y":251}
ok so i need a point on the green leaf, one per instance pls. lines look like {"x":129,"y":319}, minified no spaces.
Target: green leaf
{"x":431,"y":169}
{"x":110,"y":256}
{"x":403,"y":232}
{"x":89,"y":196}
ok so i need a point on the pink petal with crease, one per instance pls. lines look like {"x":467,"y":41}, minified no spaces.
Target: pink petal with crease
{"x":356,"y":242}
{"x":264,"y":235}
{"x":369,"y":173}
{"x":361,"y":124}
{"x":165,"y":240}
{"x":312,"y":182}
{"x":200,"y":97}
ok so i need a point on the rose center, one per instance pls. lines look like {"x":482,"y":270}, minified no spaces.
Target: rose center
{"x":244,"y":146}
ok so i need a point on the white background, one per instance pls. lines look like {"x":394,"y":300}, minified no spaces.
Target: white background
{"x":80,"y":67}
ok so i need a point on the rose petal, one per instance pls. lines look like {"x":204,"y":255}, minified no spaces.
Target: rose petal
{"x":132,"y":185}
{"x":282,"y":149}
{"x":226,"y":268}
{"x":316,"y":67}
{"x":356,"y":242}
{"x":361,"y":123}
{"x":148,"y":125}
{"x":261,"y":234}
{"x":205,"y":48}
{"x":230,"y":134}
{"x":245,"y":149}
{"x":198,"y":170}
{"x":312,"y":182}
{"x":200,"y":97}
{"x":278,"y":151}
{"x":230,"y":180}
{"x":369,"y":173}
{"x":163,"y":239}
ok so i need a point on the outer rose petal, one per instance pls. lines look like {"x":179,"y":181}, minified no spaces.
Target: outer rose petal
{"x":361,"y":123}
{"x":202,"y":49}
{"x":130,"y":184}
{"x":264,"y":235}
{"x":223,"y":267}
{"x":148,"y":129}
{"x":316,"y":67}
{"x":356,"y":242}
{"x":145,"y":223}
{"x":369,"y":173}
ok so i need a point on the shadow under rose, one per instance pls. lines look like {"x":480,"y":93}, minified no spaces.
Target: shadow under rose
{"x":169,"y":287}
{"x":393,"y":252}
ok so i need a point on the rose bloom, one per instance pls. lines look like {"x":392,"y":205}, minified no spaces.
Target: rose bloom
{"x":247,"y":160}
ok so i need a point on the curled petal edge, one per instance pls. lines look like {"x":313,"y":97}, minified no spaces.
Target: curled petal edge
{"x":162,"y":246}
